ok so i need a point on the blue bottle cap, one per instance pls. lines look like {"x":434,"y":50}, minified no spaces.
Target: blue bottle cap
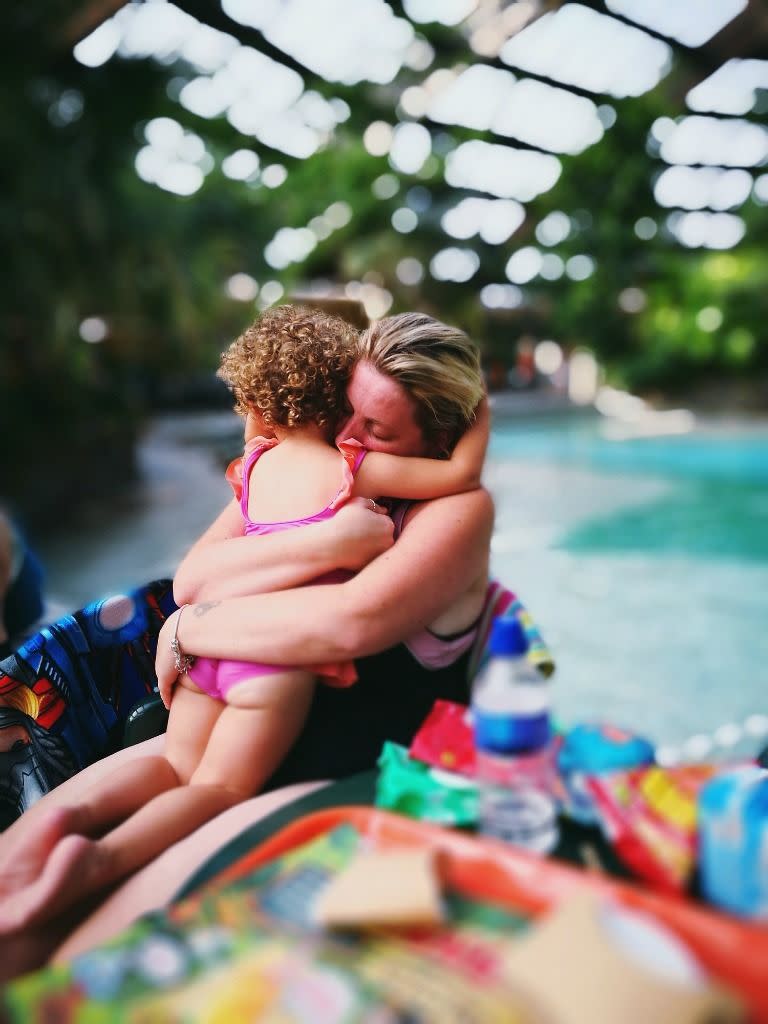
{"x":507,"y":637}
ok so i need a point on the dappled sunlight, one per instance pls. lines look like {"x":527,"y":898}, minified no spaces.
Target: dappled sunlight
{"x":577,"y":46}
{"x":174,"y":159}
{"x":454,"y":264}
{"x":709,"y":140}
{"x":628,"y":416}
{"x":572,"y":45}
{"x":732,"y":89}
{"x":494,"y":220}
{"x":696,"y":187}
{"x":530,"y":171}
{"x":706,"y":230}
{"x":490,"y":99}
{"x":350,"y":42}
{"x":691,"y":22}
{"x":501,"y":170}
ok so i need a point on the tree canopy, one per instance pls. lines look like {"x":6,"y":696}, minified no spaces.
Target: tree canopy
{"x":116,"y":280}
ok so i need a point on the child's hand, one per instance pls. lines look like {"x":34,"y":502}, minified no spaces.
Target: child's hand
{"x":469,"y":454}
{"x":361,"y":530}
{"x":482,"y":421}
{"x":165,"y":667}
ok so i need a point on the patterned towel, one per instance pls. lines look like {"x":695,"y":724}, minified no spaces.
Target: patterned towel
{"x":502,"y":603}
{"x":66,"y":693}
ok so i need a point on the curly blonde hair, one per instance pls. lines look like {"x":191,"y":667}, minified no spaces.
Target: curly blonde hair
{"x":292,"y":366}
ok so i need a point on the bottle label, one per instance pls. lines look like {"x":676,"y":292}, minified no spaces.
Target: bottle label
{"x":510,"y":734}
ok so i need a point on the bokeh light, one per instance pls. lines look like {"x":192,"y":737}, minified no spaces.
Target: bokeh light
{"x":454,"y":264}
{"x":242,"y":287}
{"x":93,"y":329}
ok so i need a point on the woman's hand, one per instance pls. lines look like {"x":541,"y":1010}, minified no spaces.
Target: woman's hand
{"x":360,"y":531}
{"x":165,"y":663}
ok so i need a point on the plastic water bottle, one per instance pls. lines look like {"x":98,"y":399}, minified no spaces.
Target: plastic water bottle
{"x":510,"y":712}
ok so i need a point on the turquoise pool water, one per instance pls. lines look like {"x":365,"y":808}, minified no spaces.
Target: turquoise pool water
{"x":645,"y":562}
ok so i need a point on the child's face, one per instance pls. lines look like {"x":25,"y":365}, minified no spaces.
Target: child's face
{"x":383,"y":416}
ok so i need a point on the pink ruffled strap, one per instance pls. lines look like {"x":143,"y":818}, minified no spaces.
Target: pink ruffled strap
{"x":353,"y":454}
{"x":236,"y":470}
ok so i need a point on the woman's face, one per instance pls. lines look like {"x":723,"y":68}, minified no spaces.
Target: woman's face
{"x":383,"y":415}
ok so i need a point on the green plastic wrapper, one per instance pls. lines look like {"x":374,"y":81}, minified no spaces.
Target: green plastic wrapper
{"x":418,"y":791}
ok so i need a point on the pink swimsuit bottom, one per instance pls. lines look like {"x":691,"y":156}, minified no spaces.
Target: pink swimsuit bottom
{"x":216,"y":677}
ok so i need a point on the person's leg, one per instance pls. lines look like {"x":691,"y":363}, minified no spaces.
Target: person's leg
{"x":262,"y":719}
{"x":246,"y":744}
{"x":70,"y":833}
{"x":155,"y":885}
{"x":27,"y":844}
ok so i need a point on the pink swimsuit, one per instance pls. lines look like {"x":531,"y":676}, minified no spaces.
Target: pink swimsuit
{"x":217,"y":677}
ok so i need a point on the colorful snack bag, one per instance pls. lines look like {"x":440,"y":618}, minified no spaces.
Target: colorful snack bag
{"x":414,"y":789}
{"x":649,"y":816}
{"x":596,"y":748}
{"x":445,"y":739}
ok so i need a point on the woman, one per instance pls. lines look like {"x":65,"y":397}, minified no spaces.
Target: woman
{"x":413,"y":392}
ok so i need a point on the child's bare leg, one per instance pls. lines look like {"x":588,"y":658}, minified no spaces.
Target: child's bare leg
{"x":146,"y":804}
{"x":245,"y":746}
{"x":156,"y":884}
{"x":60,"y":837}
{"x":27,"y":843}
{"x":261,"y":722}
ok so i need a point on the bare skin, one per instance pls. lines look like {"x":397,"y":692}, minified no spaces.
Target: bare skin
{"x":444,"y":549}
{"x":220,"y":753}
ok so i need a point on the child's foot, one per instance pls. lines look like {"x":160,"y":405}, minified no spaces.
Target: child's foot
{"x":31,"y":948}
{"x":23,"y":858}
{"x":74,"y":871}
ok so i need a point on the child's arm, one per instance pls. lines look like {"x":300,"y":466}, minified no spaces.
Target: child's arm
{"x":404,"y":477}
{"x":223,"y":563}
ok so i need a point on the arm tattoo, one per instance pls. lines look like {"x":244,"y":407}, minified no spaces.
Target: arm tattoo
{"x":203,"y":607}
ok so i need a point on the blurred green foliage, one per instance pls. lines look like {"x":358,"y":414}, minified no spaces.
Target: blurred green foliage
{"x":86,"y":237}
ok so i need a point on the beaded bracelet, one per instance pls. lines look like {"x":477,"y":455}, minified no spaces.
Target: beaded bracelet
{"x":181,"y":662}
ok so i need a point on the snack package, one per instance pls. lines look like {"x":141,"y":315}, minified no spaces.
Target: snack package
{"x":418,"y":791}
{"x":649,"y":816}
{"x":596,"y":748}
{"x":445,"y":738}
{"x":446,"y":741}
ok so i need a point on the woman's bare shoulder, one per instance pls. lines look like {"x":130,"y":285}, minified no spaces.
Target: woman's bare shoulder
{"x":462,"y":525}
{"x":475,"y":507}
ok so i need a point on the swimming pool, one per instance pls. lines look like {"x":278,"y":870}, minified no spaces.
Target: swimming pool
{"x":645,"y":562}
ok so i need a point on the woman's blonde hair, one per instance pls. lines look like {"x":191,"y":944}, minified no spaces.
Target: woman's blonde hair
{"x":292,"y":366}
{"x":437,"y":365}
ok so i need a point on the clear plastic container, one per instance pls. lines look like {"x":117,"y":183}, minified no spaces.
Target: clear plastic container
{"x":511,"y":719}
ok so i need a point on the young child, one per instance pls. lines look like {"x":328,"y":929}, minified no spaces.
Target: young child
{"x":231,"y":723}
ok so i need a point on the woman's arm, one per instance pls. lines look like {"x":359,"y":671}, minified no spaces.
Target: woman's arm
{"x":438,"y":557}
{"x":416,"y":478}
{"x":223,"y":563}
